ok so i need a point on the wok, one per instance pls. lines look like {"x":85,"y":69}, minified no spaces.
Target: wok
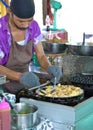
{"x":70,"y":100}
{"x":80,"y":49}
{"x":54,"y":48}
{"x":73,"y":100}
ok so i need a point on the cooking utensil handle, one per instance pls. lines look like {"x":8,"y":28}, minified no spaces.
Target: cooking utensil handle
{"x":39,"y":86}
{"x":83,"y":39}
{"x":54,"y":86}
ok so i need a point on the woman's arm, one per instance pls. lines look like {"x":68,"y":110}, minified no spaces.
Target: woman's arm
{"x":10,"y":74}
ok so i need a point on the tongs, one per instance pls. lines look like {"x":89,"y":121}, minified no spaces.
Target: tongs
{"x":54,"y":85}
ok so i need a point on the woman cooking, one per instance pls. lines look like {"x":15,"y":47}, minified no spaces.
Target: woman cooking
{"x":18,"y":33}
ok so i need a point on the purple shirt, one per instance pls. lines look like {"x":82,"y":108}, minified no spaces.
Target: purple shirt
{"x":33,"y":32}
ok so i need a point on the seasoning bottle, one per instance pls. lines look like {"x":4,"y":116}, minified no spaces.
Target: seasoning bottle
{"x":47,"y":23}
{"x":4,"y":115}
{"x":35,"y":60}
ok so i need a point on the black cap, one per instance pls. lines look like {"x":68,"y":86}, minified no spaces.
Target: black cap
{"x":23,"y":8}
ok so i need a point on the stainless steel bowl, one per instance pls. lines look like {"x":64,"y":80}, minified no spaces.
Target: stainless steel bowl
{"x":25,"y":117}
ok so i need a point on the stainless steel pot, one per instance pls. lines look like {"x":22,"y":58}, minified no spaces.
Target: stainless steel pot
{"x":25,"y":117}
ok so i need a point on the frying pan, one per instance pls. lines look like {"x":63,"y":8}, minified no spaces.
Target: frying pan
{"x":73,"y":100}
{"x":82,"y":48}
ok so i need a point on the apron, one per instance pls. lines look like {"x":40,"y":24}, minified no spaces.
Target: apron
{"x":19,"y":57}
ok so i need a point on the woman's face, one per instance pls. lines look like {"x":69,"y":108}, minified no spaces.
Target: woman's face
{"x":20,"y":23}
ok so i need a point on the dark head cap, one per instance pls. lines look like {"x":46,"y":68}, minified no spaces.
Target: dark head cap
{"x":23,"y":8}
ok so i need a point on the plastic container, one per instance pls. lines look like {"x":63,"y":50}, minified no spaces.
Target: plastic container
{"x":5,"y":115}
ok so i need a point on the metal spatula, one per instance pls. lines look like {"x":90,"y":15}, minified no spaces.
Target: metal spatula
{"x":36,"y":87}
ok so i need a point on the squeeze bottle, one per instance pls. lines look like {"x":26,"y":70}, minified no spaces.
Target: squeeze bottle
{"x":4,"y":115}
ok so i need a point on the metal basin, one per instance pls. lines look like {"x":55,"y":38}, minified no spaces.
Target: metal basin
{"x":26,"y":116}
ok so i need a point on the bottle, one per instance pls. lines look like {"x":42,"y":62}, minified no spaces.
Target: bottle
{"x":5,"y":115}
{"x":35,"y":60}
{"x":47,"y":23}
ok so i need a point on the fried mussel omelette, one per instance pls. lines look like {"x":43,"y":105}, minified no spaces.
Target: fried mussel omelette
{"x":61,"y":91}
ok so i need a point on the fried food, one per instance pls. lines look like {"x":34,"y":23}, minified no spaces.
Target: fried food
{"x":62,"y":91}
